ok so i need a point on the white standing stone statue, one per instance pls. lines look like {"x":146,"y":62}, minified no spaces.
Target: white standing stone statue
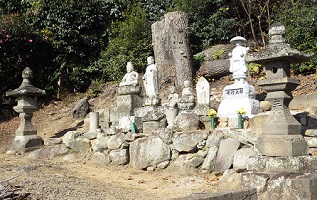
{"x":203,"y":96}
{"x":150,"y":81}
{"x":131,"y":77}
{"x":238,"y":65}
{"x":240,"y":94}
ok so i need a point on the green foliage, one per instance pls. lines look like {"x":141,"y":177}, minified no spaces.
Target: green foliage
{"x":218,"y":54}
{"x":300,"y":20}
{"x":20,"y":47}
{"x":130,"y":41}
{"x":209,"y":22}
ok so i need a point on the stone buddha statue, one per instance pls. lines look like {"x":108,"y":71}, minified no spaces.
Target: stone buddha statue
{"x":131,"y":77}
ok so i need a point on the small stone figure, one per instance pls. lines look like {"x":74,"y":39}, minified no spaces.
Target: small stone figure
{"x":131,"y":77}
{"x":238,"y":66}
{"x":151,"y":83}
{"x":187,"y":101}
{"x":172,"y":98}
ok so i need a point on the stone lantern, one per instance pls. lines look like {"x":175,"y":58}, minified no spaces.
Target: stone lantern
{"x":26,"y":136}
{"x":280,"y":132}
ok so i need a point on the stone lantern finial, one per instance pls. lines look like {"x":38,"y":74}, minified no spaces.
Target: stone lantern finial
{"x":276,"y":33}
{"x":27,"y":74}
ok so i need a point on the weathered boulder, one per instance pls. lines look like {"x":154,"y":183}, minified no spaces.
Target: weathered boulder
{"x":101,"y":143}
{"x":119,"y":156}
{"x":80,"y":144}
{"x":265,"y":105}
{"x":116,"y":141}
{"x":186,"y":122}
{"x":81,"y":108}
{"x":257,"y":121}
{"x":149,"y":151}
{"x":244,"y":158}
{"x":188,"y":141}
{"x":100,"y":158}
{"x":69,"y":136}
{"x":48,"y":152}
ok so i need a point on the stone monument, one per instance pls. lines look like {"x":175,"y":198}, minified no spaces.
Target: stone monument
{"x":280,"y":132}
{"x":240,"y":94}
{"x":26,"y":136}
{"x":203,"y":96}
{"x":151,"y":83}
{"x":127,"y":100}
{"x":187,"y":100}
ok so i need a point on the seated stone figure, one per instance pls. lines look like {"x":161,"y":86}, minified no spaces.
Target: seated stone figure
{"x":187,"y":101}
{"x":129,"y":83}
{"x":172,"y":98}
{"x":131,"y":77}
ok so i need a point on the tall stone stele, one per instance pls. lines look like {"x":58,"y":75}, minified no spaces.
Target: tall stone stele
{"x":280,"y":132}
{"x":26,"y":136}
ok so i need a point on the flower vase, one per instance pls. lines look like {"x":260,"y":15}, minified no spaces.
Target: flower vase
{"x":132,"y":127}
{"x":212,"y":122}
{"x":240,"y":121}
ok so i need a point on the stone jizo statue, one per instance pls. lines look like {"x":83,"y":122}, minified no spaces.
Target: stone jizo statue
{"x":131,"y":77}
{"x":238,"y":66}
{"x":187,"y":101}
{"x":172,"y":98}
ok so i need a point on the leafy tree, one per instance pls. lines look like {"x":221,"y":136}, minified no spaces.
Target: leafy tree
{"x":130,"y":40}
{"x":300,"y":20}
{"x":21,"y":47}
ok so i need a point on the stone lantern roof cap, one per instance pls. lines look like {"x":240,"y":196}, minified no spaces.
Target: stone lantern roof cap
{"x":236,"y":39}
{"x":278,"y":49}
{"x":26,"y":88}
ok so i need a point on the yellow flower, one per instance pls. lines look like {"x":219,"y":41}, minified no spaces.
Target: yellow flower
{"x":241,"y":111}
{"x":212,"y":113}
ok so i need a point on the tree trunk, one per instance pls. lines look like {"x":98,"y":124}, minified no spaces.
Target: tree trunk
{"x":214,"y":69}
{"x":171,"y":50}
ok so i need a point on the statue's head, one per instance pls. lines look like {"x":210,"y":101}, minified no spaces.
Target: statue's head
{"x":129,"y":67}
{"x":186,"y":84}
{"x":150,"y":60}
{"x":238,"y":40}
{"x":172,"y":89}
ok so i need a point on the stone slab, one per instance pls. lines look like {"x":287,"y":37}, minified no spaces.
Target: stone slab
{"x":227,"y":149}
{"x":246,"y":194}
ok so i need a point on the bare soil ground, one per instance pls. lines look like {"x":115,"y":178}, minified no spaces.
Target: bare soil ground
{"x":80,"y":179}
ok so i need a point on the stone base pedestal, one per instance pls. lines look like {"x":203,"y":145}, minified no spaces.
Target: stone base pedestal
{"x":125,"y":107}
{"x":129,"y":90}
{"x":282,"y":145}
{"x":300,"y":164}
{"x":236,"y":96}
{"x":25,"y":143}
